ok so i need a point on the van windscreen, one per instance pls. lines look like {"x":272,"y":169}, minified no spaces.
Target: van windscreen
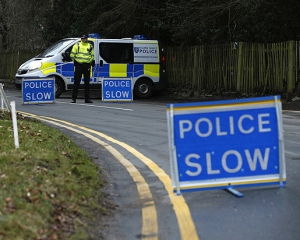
{"x":55,"y":48}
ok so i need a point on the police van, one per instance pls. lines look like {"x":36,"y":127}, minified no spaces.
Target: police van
{"x":137,"y":58}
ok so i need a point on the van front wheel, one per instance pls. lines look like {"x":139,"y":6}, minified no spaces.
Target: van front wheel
{"x":143,"y":88}
{"x":59,"y":87}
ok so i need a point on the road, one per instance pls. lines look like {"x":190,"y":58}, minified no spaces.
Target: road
{"x":132,"y":139}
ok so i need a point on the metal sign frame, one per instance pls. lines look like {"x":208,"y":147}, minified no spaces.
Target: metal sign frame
{"x":226,"y":144}
{"x":3,"y":96}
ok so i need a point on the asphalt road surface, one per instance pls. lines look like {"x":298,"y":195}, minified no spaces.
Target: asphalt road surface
{"x":130,"y":142}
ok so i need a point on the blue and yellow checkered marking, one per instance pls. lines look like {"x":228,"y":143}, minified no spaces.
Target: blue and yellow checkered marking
{"x":114,"y":70}
{"x":130,"y":70}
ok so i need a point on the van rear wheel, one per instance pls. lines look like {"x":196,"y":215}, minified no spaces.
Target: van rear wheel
{"x":59,"y":87}
{"x":143,"y":88}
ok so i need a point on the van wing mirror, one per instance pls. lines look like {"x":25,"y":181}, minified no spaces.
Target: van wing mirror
{"x":101,"y":63}
{"x":66,"y":57}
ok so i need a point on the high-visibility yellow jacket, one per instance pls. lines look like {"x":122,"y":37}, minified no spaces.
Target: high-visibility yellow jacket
{"x":82,"y":52}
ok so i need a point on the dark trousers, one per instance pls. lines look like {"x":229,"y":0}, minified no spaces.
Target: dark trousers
{"x":81,"y":69}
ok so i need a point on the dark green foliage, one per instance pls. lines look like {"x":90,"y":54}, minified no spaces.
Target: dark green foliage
{"x":206,"y":22}
{"x":175,"y":22}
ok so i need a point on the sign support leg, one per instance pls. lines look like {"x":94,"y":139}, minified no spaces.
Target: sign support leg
{"x":174,"y":157}
{"x":3,"y":96}
{"x":234,"y":192}
{"x":280,"y":141}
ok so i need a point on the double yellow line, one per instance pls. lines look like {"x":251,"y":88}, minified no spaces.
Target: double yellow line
{"x":149,"y":214}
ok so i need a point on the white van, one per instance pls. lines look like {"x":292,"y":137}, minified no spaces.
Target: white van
{"x":138,"y":58}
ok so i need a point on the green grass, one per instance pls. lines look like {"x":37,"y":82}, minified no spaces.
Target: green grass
{"x":48,"y":186}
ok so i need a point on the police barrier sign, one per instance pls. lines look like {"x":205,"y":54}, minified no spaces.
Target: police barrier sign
{"x":40,"y":90}
{"x":117,"y":90}
{"x":226,"y":144}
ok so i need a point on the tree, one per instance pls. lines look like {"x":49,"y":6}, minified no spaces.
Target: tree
{"x":35,"y":24}
{"x":4,"y":24}
{"x":70,"y":18}
{"x":272,"y":21}
{"x":213,"y":21}
{"x":21,"y":24}
{"x":119,"y":18}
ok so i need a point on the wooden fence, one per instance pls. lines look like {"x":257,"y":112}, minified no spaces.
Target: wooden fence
{"x":11,"y":61}
{"x":243,"y":68}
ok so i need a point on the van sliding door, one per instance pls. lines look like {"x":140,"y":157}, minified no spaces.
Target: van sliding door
{"x":116,"y":60}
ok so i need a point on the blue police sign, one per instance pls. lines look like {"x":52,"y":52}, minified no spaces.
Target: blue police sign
{"x":117,"y":90}
{"x":226,"y":143}
{"x":41,"y":90}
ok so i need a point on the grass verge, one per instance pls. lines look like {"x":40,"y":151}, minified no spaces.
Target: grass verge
{"x":48,"y":186}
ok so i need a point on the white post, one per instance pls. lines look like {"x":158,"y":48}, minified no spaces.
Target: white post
{"x":15,"y":126}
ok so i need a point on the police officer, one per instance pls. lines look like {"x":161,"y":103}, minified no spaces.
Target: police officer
{"x":82,"y":55}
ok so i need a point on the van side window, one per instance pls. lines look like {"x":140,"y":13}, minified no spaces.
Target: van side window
{"x":66,"y":55}
{"x":116,"y":52}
